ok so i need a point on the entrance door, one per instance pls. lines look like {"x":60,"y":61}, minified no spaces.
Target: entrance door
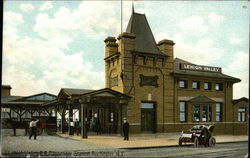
{"x":95,"y":114}
{"x":148,"y":117}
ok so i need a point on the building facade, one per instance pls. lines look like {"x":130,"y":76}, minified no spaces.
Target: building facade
{"x":167,"y":94}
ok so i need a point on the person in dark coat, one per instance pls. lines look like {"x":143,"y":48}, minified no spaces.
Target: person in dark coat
{"x":98,"y":127}
{"x":77,"y":127}
{"x":125,"y":129}
{"x":207,"y":134}
{"x":33,"y":128}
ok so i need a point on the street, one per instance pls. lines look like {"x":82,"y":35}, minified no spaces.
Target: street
{"x":236,"y":149}
{"x":48,"y":146}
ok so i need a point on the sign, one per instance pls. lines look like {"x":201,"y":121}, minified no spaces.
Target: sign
{"x":148,"y":80}
{"x":200,"y":68}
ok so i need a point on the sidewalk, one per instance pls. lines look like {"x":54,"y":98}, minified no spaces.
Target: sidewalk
{"x":146,"y":140}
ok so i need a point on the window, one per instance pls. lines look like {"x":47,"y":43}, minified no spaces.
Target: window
{"x":206,"y":113}
{"x":207,"y":85}
{"x":196,"y":85}
{"x":218,"y":87}
{"x":182,"y":111}
{"x":202,"y":113}
{"x":182,"y":84}
{"x":218,"y":112}
{"x":241,"y":114}
{"x":196,"y":113}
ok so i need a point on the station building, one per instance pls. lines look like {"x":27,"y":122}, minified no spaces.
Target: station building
{"x":167,"y":94}
{"x":145,"y":84}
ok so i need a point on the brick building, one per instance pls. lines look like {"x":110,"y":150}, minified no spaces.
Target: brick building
{"x":167,"y":94}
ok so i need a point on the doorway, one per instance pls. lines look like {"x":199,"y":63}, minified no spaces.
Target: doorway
{"x":95,"y":114}
{"x":148,"y":116}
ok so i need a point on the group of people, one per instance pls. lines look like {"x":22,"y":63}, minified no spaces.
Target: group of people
{"x":77,"y":127}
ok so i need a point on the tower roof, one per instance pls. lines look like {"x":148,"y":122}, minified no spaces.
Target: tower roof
{"x":144,"y":41}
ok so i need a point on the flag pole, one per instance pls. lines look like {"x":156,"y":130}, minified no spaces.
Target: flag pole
{"x":121,"y":16}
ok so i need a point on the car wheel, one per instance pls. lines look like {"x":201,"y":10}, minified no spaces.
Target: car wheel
{"x":180,"y":141}
{"x":212,"y":141}
{"x":196,"y":142}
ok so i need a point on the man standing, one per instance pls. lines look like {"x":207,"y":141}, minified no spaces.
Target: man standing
{"x":206,"y":133}
{"x":125,"y":129}
{"x":77,"y":127}
{"x":33,"y":128}
{"x":98,"y":126}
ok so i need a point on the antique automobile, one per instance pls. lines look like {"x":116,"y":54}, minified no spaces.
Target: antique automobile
{"x":195,"y":137}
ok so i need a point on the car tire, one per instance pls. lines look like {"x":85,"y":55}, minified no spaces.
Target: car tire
{"x":196,"y":142}
{"x":180,"y":141}
{"x":212,"y":141}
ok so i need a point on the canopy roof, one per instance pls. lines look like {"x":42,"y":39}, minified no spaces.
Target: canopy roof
{"x":201,"y":99}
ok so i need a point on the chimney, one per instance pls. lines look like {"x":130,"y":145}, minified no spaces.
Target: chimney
{"x":111,"y":46}
{"x":166,"y":47}
{"x":6,"y":90}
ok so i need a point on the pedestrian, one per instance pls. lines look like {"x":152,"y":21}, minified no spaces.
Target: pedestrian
{"x":125,"y":129}
{"x":207,"y":134}
{"x":33,"y":128}
{"x":98,"y":127}
{"x":77,"y":127}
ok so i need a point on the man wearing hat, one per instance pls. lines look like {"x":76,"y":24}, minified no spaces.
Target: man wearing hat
{"x":125,"y":128}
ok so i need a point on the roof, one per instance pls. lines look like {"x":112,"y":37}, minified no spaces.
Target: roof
{"x":6,"y":87}
{"x":178,"y":70}
{"x":9,"y":98}
{"x":201,"y":99}
{"x":144,"y":41}
{"x":72,"y":91}
{"x":103,"y":91}
{"x":235,"y":101}
{"x":39,"y":94}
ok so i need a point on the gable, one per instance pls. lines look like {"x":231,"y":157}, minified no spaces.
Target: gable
{"x":104,"y":94}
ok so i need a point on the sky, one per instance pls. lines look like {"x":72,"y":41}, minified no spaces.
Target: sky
{"x":49,"y":45}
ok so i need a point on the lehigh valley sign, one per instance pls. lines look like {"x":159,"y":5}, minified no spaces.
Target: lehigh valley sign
{"x":200,"y":68}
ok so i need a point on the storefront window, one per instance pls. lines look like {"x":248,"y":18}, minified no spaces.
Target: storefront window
{"x":183,"y":111}
{"x":241,"y":114}
{"x":205,"y":115}
{"x":218,"y":112}
{"x":196,"y":113}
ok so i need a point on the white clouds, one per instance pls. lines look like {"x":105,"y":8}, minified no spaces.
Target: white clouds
{"x":193,"y":25}
{"x":12,"y":19}
{"x":214,"y":18}
{"x":234,"y":41}
{"x":202,"y":52}
{"x":27,"y":7}
{"x":240,"y":68}
{"x":33,"y":65}
{"x":161,"y":36}
{"x":92,"y":18}
{"x":46,"y":6}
